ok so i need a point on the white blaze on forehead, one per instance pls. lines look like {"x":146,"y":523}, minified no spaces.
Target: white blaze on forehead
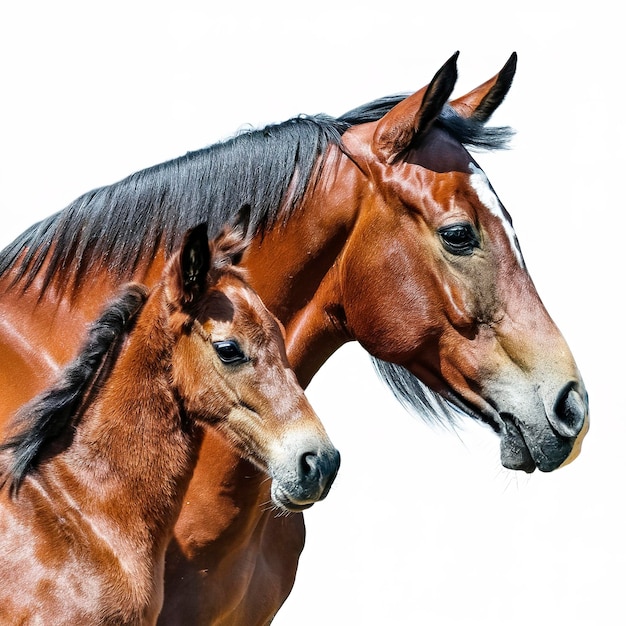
{"x":480,"y":183}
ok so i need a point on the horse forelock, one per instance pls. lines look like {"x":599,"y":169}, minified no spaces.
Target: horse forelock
{"x":473,"y":133}
{"x":48,"y":416}
{"x":469,"y":132}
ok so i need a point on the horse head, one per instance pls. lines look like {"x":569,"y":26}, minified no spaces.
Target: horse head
{"x":461,"y":314}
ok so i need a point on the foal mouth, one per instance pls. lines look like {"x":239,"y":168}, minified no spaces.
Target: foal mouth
{"x":283,"y":501}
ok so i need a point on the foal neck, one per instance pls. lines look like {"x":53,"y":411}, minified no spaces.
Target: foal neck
{"x":134,"y":448}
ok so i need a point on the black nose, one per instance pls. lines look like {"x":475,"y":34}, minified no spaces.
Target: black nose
{"x":317,"y":471}
{"x":570,"y":412}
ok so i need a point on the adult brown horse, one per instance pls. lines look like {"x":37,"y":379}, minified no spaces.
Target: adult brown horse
{"x":124,"y":424}
{"x":377,"y":226}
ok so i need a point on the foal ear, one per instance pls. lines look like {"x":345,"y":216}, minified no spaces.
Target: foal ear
{"x":480,"y":103}
{"x":414,"y":115}
{"x":242,"y":221}
{"x":229,"y":246}
{"x":190,"y":266}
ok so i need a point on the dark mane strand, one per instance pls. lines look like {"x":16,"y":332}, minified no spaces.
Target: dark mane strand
{"x":372,"y":111}
{"x":472,"y":133}
{"x":415,"y":396}
{"x":49,"y":414}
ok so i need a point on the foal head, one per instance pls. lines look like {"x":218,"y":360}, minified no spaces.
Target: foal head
{"x":229,"y":368}
{"x":224,"y":363}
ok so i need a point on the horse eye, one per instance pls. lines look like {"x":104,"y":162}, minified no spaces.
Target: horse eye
{"x":229,"y":352}
{"x":459,"y":239}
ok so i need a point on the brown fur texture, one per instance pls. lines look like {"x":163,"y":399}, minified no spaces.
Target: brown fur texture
{"x":95,"y":495}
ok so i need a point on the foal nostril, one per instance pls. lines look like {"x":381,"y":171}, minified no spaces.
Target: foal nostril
{"x":317,"y":472}
{"x":570,"y":411}
{"x":309,"y":469}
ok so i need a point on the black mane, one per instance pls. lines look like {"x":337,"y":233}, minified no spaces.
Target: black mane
{"x":48,"y":415}
{"x":267,"y":171}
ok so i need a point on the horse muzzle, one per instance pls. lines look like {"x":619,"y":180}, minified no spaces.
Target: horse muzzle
{"x":548,"y":443}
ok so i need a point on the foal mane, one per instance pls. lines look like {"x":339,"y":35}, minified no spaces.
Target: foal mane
{"x":266,"y":172}
{"x":48,"y":415}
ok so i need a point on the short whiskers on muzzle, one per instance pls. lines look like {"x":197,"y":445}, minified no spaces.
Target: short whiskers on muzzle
{"x":270,"y":506}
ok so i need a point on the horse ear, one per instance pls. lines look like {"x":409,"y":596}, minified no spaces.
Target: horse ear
{"x":480,"y":103}
{"x":414,"y":115}
{"x":190,"y":267}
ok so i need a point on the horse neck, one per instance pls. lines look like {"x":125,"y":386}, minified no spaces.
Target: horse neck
{"x":296,"y":268}
{"x":35,"y":325}
{"x":132,"y":444}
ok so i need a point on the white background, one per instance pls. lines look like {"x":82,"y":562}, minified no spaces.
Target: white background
{"x":423,"y":526}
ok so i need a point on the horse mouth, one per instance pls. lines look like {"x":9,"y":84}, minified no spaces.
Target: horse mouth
{"x":514,"y":451}
{"x":523,"y":449}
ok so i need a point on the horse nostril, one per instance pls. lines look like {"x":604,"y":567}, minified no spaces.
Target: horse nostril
{"x":570,"y":410}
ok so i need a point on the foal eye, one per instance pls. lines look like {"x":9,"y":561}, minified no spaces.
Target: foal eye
{"x":459,"y":239}
{"x":229,"y":352}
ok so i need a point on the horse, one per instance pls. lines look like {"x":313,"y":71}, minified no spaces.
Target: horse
{"x":377,"y":226}
{"x":99,"y":462}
